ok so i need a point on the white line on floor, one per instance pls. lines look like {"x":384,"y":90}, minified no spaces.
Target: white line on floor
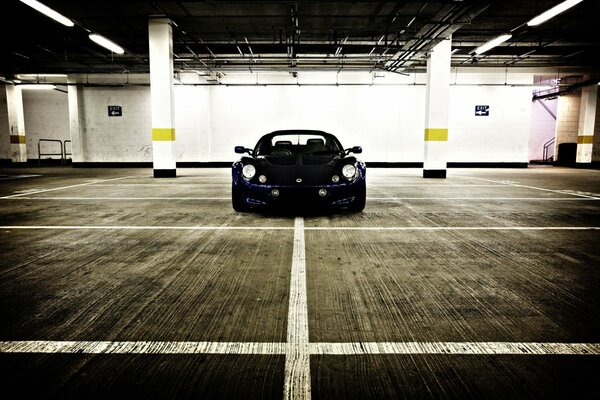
{"x":309,"y":228}
{"x":117,"y":198}
{"x":64,"y":187}
{"x":166,"y":228}
{"x":533,"y":187}
{"x":24,"y":197}
{"x":9,"y":177}
{"x":259,"y":348}
{"x":150,"y":185}
{"x":588,"y":198}
{"x":452,"y":228}
{"x":433,"y":185}
{"x":140,"y":347}
{"x":297,"y":359}
{"x":477,"y":348}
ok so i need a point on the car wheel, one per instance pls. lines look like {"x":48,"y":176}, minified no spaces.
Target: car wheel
{"x":360,"y":199}
{"x":237,"y":200}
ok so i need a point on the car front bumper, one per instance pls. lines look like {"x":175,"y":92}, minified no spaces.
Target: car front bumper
{"x":337,"y":195}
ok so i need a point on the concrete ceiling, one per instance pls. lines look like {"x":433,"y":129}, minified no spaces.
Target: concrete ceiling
{"x":220,"y":36}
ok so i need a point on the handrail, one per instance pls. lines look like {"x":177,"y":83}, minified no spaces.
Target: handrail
{"x":546,"y":149}
{"x":64,"y":147}
{"x":40,"y":154}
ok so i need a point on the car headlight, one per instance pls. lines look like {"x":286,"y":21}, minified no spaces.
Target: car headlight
{"x":349,"y":171}
{"x":248,"y":171}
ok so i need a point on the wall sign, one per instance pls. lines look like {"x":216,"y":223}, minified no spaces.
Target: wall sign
{"x":482,"y":111}
{"x":115,"y":111}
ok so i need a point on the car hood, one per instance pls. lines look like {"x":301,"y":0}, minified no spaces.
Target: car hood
{"x":312,"y":170}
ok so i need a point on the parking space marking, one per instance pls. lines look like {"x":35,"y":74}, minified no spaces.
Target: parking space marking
{"x":588,"y":198}
{"x":297,"y":359}
{"x":532,"y":187}
{"x":25,"y":196}
{"x":452,"y":228}
{"x":309,"y":228}
{"x":436,"y":185}
{"x":121,"y":185}
{"x":65,"y":187}
{"x":458,"y":348}
{"x":140,"y":347}
{"x":141,"y":228}
{"x":117,"y":198}
{"x":324,"y":348}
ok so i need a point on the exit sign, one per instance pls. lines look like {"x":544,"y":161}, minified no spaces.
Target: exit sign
{"x":482,"y":111}
{"x":115,"y":111}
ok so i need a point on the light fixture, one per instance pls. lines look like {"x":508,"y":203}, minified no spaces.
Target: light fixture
{"x":35,"y":76}
{"x":554,"y":11}
{"x":492,"y":43}
{"x":47,"y":11}
{"x":108,"y":44}
{"x":44,"y":86}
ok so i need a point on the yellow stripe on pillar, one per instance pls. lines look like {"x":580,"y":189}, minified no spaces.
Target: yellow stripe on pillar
{"x":436,"y":134}
{"x":585,"y":139}
{"x":17,"y":139}
{"x":163,"y":134}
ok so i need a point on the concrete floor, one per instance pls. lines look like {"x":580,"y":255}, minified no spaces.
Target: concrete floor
{"x":482,"y":285}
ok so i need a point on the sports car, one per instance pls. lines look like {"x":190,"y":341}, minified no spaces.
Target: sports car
{"x":300,"y":169}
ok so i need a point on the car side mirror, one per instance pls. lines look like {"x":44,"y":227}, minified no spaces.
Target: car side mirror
{"x":355,"y":150}
{"x":242,"y":150}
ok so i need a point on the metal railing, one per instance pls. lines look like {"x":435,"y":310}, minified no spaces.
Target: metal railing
{"x":63,"y":150}
{"x":547,"y":145}
{"x":65,"y":154}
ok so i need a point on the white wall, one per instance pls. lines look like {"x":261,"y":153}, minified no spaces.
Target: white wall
{"x":46,"y":117}
{"x":386,"y":118}
{"x":116,"y":139}
{"x":502,"y":136}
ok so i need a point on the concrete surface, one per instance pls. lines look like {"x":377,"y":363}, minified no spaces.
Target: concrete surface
{"x":482,"y":285}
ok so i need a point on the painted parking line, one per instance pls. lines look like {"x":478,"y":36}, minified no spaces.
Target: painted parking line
{"x":10,"y":177}
{"x":587,"y":198}
{"x":25,"y":196}
{"x":325,"y":348}
{"x":142,"y":228}
{"x":458,"y":348}
{"x":309,"y":228}
{"x":532,"y":187}
{"x":118,"y":198}
{"x":297,"y":359}
{"x":64,"y":187}
{"x":452,"y":228}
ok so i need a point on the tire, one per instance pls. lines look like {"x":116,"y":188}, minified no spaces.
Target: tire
{"x":360,"y":199}
{"x":237,"y":200}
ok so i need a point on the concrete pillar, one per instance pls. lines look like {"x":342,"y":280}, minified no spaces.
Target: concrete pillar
{"x":16,"y":123}
{"x":436,"y":110}
{"x":74,"y":94}
{"x":587,"y":117}
{"x":161,"y":93}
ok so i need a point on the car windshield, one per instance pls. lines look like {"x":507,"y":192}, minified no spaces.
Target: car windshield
{"x":298,"y":144}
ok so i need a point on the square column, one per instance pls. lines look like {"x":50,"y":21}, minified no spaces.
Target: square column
{"x":436,"y":110}
{"x":16,"y":123}
{"x":160,"y":35}
{"x":587,"y":117}
{"x":74,"y":98}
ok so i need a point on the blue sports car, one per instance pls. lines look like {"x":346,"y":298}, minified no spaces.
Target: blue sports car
{"x":300,"y":169}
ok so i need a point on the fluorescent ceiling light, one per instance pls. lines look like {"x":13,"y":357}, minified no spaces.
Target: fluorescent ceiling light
{"x":47,"y":11}
{"x":492,"y":43}
{"x":38,"y":87}
{"x":554,"y":11}
{"x":104,"y":42}
{"x":34,"y":76}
